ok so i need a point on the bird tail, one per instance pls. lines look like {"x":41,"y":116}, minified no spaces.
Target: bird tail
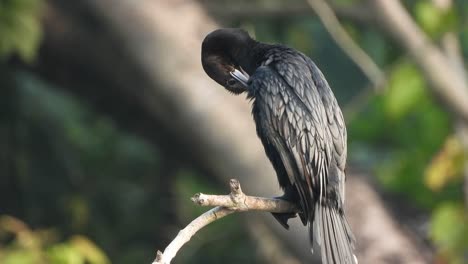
{"x":333,"y":234}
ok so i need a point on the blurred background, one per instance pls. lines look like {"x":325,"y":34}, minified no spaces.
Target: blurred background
{"x":108,"y":125}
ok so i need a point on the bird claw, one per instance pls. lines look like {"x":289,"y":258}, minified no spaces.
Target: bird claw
{"x":283,"y":218}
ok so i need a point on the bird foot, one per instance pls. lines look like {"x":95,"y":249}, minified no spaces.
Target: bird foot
{"x":283,"y":218}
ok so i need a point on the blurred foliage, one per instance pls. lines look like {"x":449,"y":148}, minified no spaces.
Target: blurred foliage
{"x":447,"y":165}
{"x":416,"y":155}
{"x":20,"y":28}
{"x":72,"y":170}
{"x":404,"y":92}
{"x":449,"y":231}
{"x":413,"y":148}
{"x":26,"y":246}
{"x":77,"y":173}
{"x":434,"y":20}
{"x":406,"y":128}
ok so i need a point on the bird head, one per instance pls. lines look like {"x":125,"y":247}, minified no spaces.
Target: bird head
{"x":223,"y":53}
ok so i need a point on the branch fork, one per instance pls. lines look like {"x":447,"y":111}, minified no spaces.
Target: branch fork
{"x":224,"y":205}
{"x":234,"y":201}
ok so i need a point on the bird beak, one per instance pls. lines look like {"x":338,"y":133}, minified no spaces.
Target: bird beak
{"x":241,"y":76}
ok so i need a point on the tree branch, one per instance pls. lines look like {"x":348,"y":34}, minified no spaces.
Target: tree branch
{"x":346,"y":43}
{"x":236,"y":201}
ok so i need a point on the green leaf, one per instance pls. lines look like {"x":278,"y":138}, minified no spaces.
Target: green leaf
{"x":406,"y":89}
{"x":434,"y":20}
{"x":20,"y":256}
{"x":64,"y":254}
{"x":449,"y":231}
{"x":92,"y":253}
{"x":446,"y":166}
{"x":20,"y":31}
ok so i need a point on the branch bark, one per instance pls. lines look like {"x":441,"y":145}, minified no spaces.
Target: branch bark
{"x":331,"y":23}
{"x":236,"y":201}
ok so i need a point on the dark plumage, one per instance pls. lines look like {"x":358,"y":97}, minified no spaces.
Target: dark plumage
{"x":300,"y":125}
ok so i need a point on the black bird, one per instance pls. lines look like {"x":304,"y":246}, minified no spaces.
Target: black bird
{"x":300,"y":125}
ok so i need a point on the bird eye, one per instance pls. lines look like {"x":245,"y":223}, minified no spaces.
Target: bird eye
{"x":231,"y":82}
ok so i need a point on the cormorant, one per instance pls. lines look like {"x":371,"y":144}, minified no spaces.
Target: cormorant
{"x":300,"y":125}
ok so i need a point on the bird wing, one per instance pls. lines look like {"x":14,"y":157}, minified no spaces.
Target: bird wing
{"x":336,"y":126}
{"x":295,"y":132}
{"x":312,"y":89}
{"x":304,"y":123}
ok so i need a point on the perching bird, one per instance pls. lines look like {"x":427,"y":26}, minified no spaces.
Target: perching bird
{"x":300,"y":125}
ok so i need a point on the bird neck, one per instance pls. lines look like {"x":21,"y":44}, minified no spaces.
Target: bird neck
{"x":252,"y":55}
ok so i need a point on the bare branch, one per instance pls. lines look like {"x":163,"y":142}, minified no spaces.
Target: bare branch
{"x":236,"y":201}
{"x":449,"y":42}
{"x":346,"y":43}
{"x":185,"y":234}
{"x":451,"y":46}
